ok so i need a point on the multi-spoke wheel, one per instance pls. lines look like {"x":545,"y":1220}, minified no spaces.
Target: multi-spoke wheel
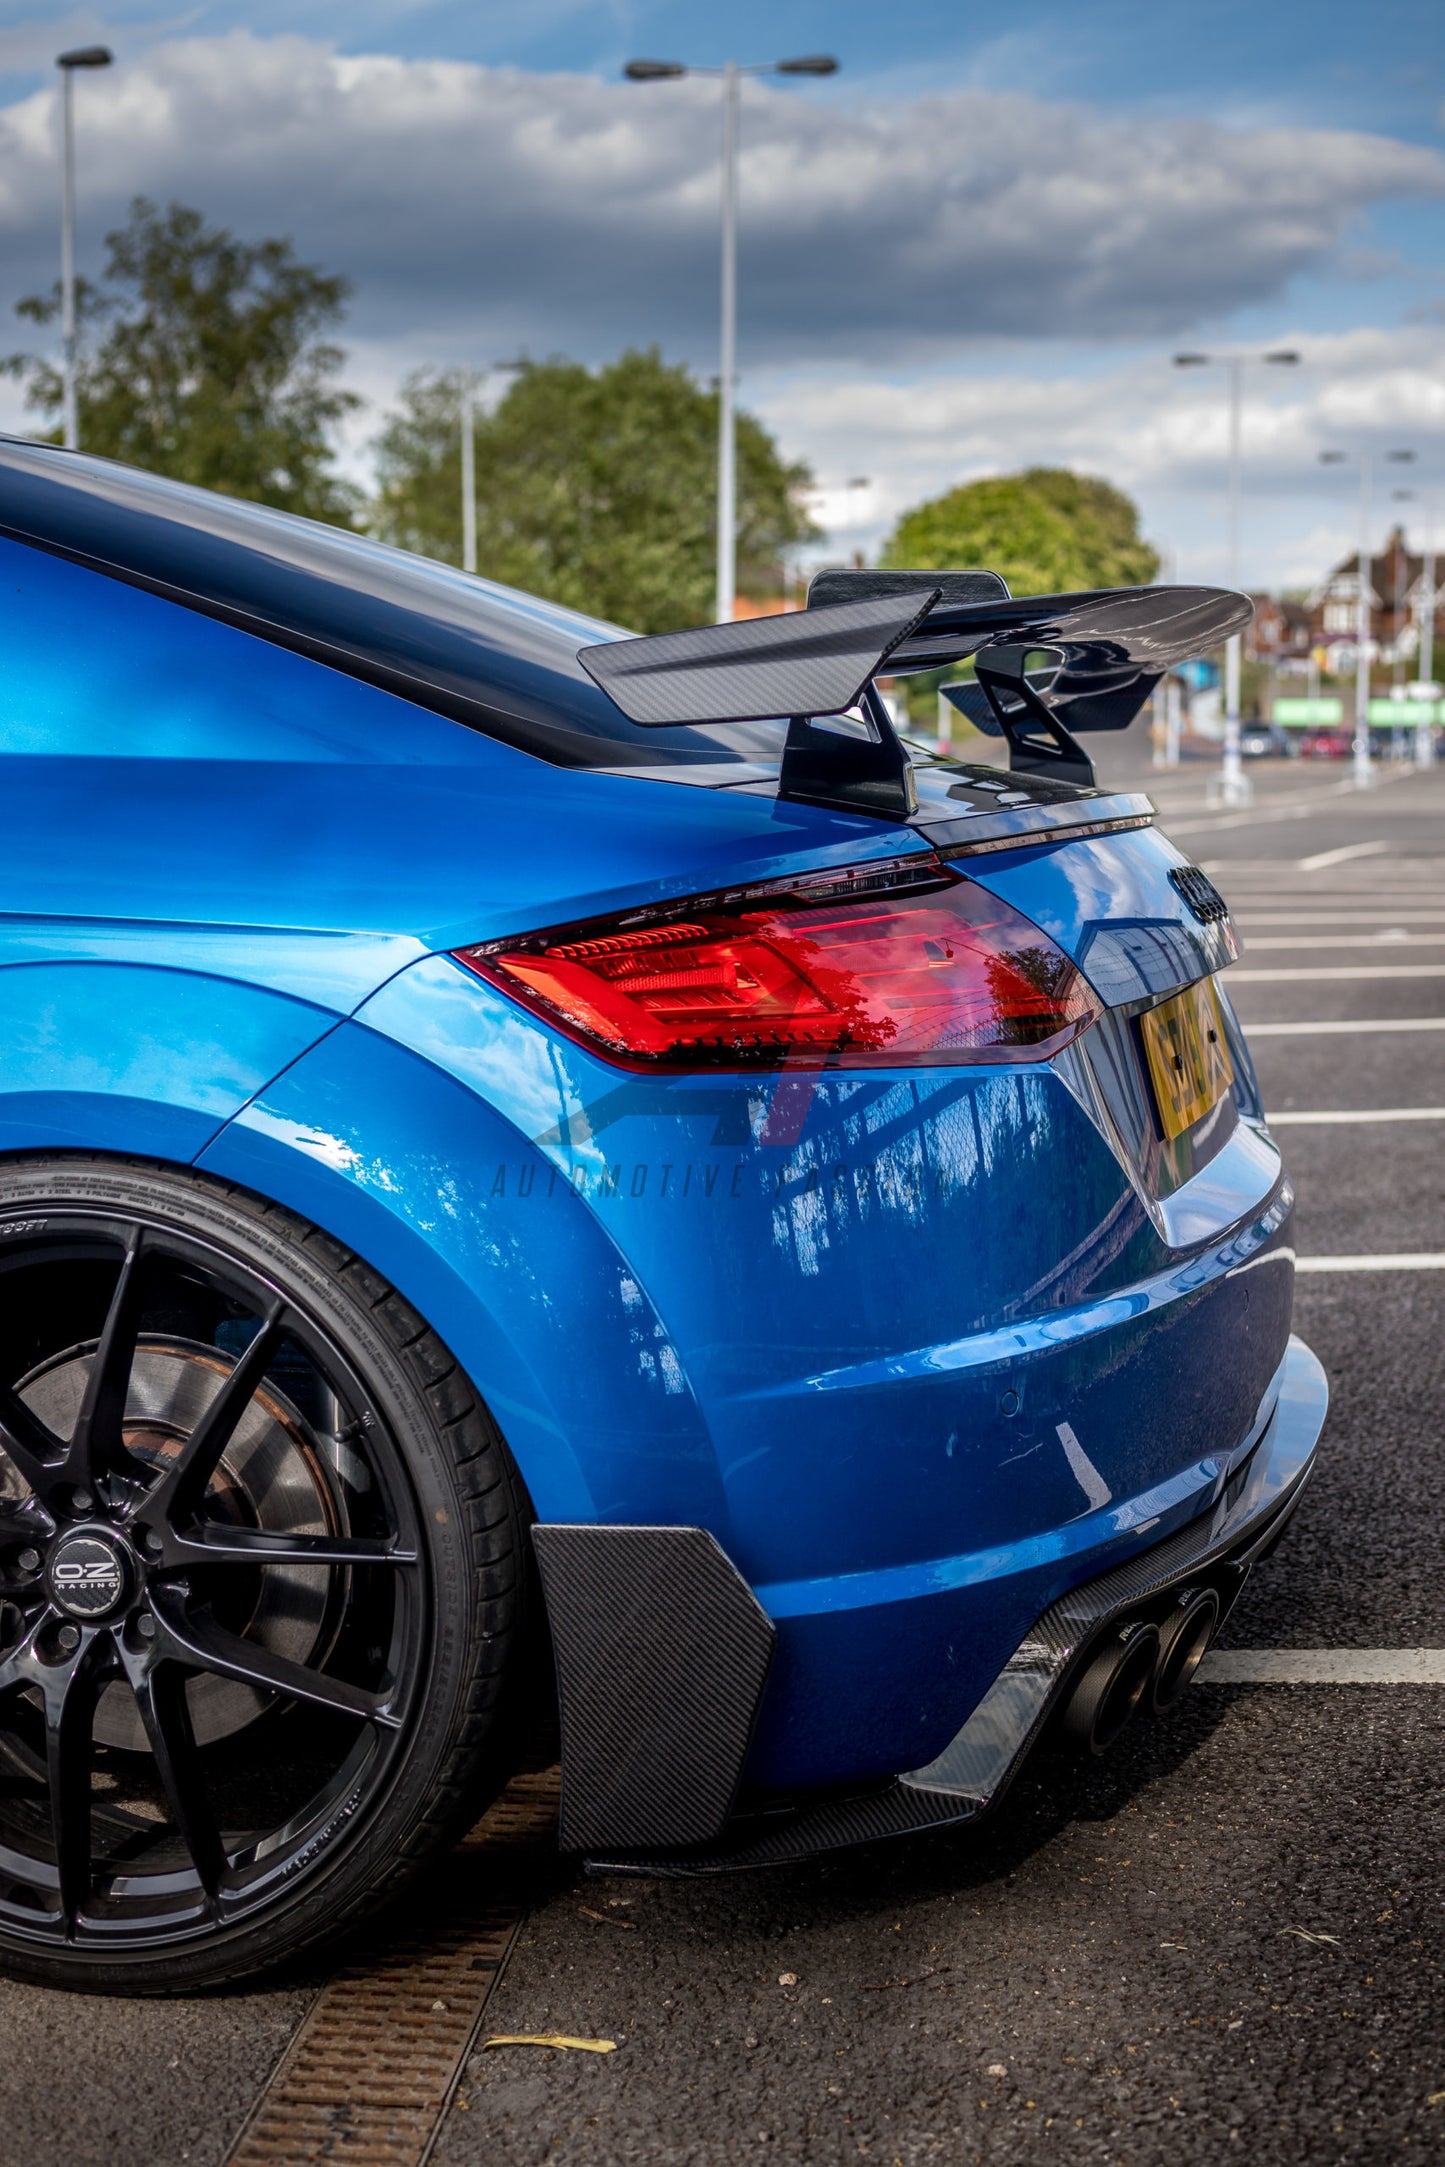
{"x":261,"y":1574}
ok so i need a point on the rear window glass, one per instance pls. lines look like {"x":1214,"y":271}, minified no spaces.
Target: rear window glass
{"x":499,"y":661}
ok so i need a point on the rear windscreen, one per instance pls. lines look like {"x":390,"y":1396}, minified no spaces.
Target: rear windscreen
{"x":499,"y":661}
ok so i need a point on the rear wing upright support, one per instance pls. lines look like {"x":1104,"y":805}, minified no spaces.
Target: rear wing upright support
{"x":1105,"y":652}
{"x":836,"y":763}
{"x":1038,"y":743}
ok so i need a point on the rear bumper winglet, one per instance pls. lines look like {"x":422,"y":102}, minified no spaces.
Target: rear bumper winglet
{"x":662,"y":1652}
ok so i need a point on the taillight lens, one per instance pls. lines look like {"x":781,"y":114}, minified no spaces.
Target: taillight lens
{"x":865,"y":970}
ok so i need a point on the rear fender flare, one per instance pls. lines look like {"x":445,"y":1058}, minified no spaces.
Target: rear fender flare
{"x":385,"y":1152}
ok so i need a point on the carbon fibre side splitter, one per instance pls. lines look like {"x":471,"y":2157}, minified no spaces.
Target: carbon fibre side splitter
{"x":662,"y":1652}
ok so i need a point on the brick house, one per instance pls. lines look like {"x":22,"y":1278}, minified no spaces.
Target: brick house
{"x":1398,"y":602}
{"x":1281,"y":629}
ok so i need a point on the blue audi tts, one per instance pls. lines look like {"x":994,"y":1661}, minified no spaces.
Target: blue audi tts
{"x":578,"y":1193}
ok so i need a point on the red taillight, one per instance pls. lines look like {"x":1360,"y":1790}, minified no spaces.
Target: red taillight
{"x":869,"y":969}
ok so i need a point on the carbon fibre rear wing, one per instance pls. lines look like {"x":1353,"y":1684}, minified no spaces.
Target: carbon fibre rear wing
{"x":1095,"y":659}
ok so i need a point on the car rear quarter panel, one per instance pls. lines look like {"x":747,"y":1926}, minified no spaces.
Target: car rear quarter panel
{"x":910,"y":1346}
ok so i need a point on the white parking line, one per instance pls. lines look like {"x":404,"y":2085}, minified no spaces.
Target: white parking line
{"x":1293,"y":894}
{"x":1333,"y":893}
{"x":1269,"y":810}
{"x":1354,"y":1116}
{"x":1406,"y":1260}
{"x":1345,"y":918}
{"x":1335,"y":1028}
{"x":1400,"y":874}
{"x":1403,"y":877}
{"x":1323,"y":1666}
{"x":1220,"y":826}
{"x":1384,"y":937}
{"x":1325,"y":858}
{"x":1363,"y":913}
{"x":1363,"y":971}
{"x":1346,"y":879}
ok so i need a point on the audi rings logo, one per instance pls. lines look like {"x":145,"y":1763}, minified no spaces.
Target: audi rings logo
{"x":87,"y":1576}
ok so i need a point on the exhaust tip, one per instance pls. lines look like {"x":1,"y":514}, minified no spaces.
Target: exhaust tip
{"x":1113,"y":1683}
{"x":1183,"y":1638}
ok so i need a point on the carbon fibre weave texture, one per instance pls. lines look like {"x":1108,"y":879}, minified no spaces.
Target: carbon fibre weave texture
{"x":909,"y":1805}
{"x":662,"y":1651}
{"x":803,"y":663}
{"x":844,"y":583}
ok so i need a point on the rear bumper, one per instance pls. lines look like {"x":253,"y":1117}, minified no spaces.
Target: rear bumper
{"x":656,"y":1728}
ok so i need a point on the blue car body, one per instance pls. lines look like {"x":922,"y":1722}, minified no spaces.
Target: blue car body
{"x":922,"y":1350}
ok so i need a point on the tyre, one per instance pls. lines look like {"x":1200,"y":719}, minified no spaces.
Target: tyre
{"x":265,"y":1590}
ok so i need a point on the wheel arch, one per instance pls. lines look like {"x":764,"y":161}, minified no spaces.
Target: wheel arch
{"x":399,"y":1162}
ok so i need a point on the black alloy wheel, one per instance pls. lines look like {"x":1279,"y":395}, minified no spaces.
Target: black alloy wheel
{"x":262,"y":1582}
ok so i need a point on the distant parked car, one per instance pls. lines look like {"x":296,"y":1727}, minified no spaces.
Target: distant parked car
{"x":1264,"y":740}
{"x":1325,"y":745}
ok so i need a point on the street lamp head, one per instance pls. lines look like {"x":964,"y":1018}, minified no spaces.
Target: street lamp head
{"x":810,"y":64}
{"x":1191,"y":361}
{"x":86,"y":56}
{"x":1285,"y":358}
{"x":1332,"y":458}
{"x":1401,"y":458}
{"x":652,"y":71}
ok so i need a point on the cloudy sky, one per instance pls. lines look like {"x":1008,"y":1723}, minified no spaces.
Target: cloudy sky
{"x":965,"y":253}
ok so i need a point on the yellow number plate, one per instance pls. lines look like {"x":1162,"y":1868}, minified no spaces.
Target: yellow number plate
{"x":1189,"y":1064}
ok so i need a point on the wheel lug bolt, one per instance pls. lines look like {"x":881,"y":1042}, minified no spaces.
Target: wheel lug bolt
{"x":145,"y":1625}
{"x":153,"y":1542}
{"x":29,"y":1561}
{"x":83,"y":1501}
{"x":69,"y":1638}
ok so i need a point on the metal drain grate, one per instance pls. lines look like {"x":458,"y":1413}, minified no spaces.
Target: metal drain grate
{"x":525,"y":1814}
{"x":375,"y":2064}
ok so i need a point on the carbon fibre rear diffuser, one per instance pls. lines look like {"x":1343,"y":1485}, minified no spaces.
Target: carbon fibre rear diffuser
{"x":973,"y":1773}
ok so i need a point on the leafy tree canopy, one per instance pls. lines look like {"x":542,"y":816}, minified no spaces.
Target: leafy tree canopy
{"x":203,"y":358}
{"x":597,"y":489}
{"x":1046,"y":531}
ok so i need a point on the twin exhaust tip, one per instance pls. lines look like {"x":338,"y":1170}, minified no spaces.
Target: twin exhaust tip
{"x":1141,"y":1660}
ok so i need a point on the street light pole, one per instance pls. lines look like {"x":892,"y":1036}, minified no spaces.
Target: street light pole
{"x":731,"y":74}
{"x":1425,"y":735}
{"x":1235,"y":787}
{"x":727,"y":482}
{"x":84,"y":56}
{"x":1364,"y":766}
{"x":1425,"y":657}
{"x":469,"y":476}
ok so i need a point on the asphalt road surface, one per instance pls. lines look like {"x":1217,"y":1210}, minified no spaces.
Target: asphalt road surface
{"x":1224,"y":1940}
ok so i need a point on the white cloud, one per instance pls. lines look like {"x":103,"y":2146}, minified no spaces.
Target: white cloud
{"x":886,"y":249}
{"x":491,"y":207}
{"x":1156,"y":432}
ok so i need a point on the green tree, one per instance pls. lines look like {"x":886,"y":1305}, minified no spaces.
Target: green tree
{"x":597,"y":489}
{"x":203,"y":358}
{"x":1046,"y":531}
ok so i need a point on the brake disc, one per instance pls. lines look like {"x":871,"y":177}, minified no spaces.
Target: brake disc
{"x":271,"y":1476}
